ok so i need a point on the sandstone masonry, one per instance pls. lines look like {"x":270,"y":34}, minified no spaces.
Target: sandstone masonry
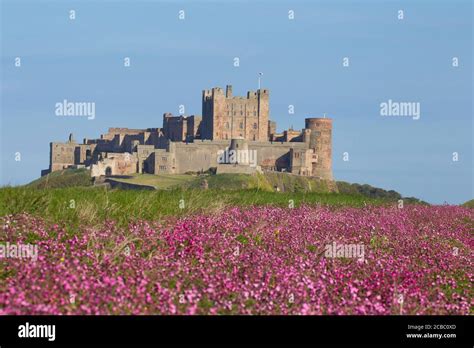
{"x":194,"y":143}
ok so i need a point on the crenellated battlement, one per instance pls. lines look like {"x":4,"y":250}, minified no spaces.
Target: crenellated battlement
{"x":191,"y":143}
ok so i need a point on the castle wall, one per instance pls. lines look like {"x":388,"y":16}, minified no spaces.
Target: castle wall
{"x":84,"y":154}
{"x":181,"y":128}
{"x":114,"y":130}
{"x":180,"y":157}
{"x":62,"y":155}
{"x":174,"y":127}
{"x":115,"y":164}
{"x":162,"y":162}
{"x":274,"y":156}
{"x":143,"y":152}
{"x":302,"y":160}
{"x":271,"y":129}
{"x":292,"y":135}
{"x":235,"y":169}
{"x":157,"y":139}
{"x":194,"y":124}
{"x":197,"y":156}
{"x":202,"y":155}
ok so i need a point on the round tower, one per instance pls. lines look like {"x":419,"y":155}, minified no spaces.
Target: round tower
{"x":320,"y":140}
{"x":241,"y":147}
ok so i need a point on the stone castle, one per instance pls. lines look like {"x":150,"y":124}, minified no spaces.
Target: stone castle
{"x":197,"y":144}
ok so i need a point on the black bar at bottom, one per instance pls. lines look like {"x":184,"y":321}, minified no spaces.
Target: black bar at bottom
{"x":393,"y":330}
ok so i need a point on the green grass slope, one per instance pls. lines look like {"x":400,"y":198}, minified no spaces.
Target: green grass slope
{"x":268,"y":181}
{"x":374,"y":192}
{"x":160,"y":181}
{"x":70,"y":198}
{"x":64,"y":178}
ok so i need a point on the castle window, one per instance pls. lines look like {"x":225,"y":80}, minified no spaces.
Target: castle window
{"x":163,"y":159}
{"x":255,"y":126}
{"x":241,"y":125}
{"x":227,"y":125}
{"x":235,"y":113}
{"x":255,"y":113}
{"x":241,"y":113}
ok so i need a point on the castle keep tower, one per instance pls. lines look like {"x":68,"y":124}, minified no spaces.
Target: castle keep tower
{"x":195,"y":144}
{"x":320,"y":139}
{"x":225,"y":117}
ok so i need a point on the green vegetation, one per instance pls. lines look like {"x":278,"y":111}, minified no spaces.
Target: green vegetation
{"x":68,"y":196}
{"x":374,"y":192}
{"x":263,"y":182}
{"x":296,"y":183}
{"x":64,"y":178}
{"x":93,"y":205}
{"x":268,"y":181}
{"x":161,"y":181}
{"x":232,"y":182}
{"x":469,"y":204}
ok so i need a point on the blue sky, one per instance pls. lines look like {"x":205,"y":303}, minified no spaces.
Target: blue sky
{"x":173,"y":60}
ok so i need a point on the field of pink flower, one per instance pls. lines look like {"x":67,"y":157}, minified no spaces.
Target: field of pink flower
{"x":264,"y":260}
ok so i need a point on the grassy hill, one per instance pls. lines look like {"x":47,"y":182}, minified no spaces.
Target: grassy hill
{"x":71,"y":198}
{"x":374,"y":192}
{"x":159,"y":182}
{"x":64,"y":178}
{"x":469,"y":204}
{"x":266,"y":182}
{"x":269,"y":182}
